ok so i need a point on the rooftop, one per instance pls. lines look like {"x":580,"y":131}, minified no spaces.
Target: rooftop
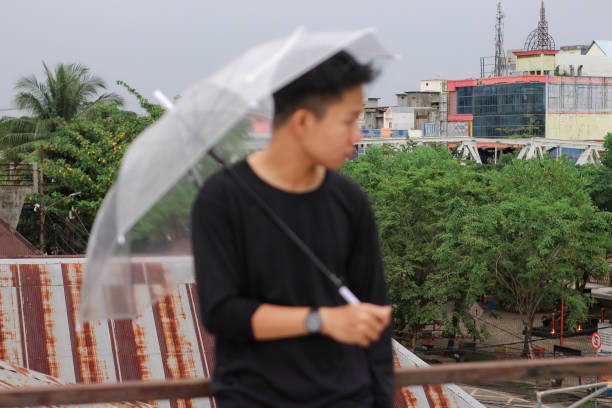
{"x":13,"y":244}
{"x":605,"y":45}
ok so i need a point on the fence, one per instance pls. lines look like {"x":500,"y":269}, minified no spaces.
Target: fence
{"x":467,"y":373}
{"x":21,"y":175}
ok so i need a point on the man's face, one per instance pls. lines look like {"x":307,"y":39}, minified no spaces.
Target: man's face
{"x":329,"y":139}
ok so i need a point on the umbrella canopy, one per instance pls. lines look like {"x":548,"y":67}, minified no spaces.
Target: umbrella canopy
{"x":144,"y":219}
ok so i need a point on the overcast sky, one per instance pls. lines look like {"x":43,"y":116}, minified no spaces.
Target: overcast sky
{"x":171,"y":44}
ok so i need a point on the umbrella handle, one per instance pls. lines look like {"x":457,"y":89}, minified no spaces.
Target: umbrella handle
{"x":348,"y":296}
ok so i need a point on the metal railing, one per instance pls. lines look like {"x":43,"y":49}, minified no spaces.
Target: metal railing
{"x":468,"y":373}
{"x":21,"y":175}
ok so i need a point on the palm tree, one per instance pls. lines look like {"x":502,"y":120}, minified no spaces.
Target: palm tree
{"x":68,"y":91}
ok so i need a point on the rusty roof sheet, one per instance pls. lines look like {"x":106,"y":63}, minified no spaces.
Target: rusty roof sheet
{"x":13,"y":244}
{"x":443,"y":396}
{"x":39,"y":301}
{"x":13,"y":376}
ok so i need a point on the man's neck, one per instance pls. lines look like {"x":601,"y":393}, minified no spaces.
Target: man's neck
{"x":284,"y":165}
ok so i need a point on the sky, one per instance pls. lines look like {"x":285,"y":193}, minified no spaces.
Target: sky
{"x":168,"y":45}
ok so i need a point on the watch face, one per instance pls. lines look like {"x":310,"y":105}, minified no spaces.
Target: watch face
{"x":313,"y":322}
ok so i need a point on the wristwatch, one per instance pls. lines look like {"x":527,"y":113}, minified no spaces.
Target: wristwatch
{"x":313,"y":322}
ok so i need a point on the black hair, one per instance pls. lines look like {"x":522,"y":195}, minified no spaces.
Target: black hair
{"x":320,"y":86}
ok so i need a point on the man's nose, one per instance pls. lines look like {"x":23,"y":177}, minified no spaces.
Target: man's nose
{"x":355,"y":134}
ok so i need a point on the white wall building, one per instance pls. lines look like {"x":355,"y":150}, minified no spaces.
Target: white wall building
{"x":432,"y":85}
{"x":584,"y":65}
{"x":600,"y":48}
{"x":399,"y":117}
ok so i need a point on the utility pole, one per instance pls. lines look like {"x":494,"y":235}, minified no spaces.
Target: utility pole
{"x":42,"y":204}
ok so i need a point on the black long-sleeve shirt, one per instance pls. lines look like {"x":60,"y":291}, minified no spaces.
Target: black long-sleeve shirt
{"x":243,"y":259}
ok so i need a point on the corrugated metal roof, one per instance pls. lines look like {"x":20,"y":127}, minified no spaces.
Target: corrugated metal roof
{"x":39,"y":301}
{"x":13,"y":376}
{"x":13,"y":244}
{"x":447,"y":395}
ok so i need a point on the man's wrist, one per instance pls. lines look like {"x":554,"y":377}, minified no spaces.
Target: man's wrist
{"x":313,"y":322}
{"x":324,"y":313}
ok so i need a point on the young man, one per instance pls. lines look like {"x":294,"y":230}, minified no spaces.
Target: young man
{"x":284,"y":337}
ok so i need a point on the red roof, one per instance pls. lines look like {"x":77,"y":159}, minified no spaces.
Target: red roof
{"x":535,"y":52}
{"x":13,"y":244}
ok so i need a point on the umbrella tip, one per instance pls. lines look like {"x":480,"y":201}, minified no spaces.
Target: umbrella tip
{"x":163,"y":100}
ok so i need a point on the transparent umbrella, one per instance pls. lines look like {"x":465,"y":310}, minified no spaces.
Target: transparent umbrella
{"x":139,"y":249}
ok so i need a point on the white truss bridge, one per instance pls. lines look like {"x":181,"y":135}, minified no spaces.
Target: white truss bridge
{"x":530,"y":148}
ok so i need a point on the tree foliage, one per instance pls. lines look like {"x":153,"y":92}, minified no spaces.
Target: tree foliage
{"x":600,"y":183}
{"x":539,"y":238}
{"x":82,"y":156}
{"x":410,"y":192}
{"x":524,"y":230}
{"x":65,"y":92}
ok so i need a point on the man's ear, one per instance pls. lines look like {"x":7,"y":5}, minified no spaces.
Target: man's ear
{"x":301,"y":122}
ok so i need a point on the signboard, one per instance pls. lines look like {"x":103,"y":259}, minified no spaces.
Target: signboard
{"x":593,"y":379}
{"x":596,"y":341}
{"x":476,"y":311}
{"x":605,"y":333}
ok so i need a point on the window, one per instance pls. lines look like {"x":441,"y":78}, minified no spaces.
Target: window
{"x":505,"y":110}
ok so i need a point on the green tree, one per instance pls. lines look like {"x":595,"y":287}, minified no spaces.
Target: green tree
{"x":600,"y":178}
{"x":410,"y":192}
{"x":17,"y":136}
{"x":538,"y":238}
{"x":83,"y":156}
{"x":64,"y":93}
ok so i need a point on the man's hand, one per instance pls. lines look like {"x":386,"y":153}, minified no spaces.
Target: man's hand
{"x":359,"y":324}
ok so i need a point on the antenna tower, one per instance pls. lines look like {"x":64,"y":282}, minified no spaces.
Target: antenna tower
{"x":539,"y":39}
{"x":501,"y":68}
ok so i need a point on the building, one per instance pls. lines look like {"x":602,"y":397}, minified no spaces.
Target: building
{"x":600,"y":48}
{"x":419,"y":99}
{"x":535,"y":62}
{"x":407,"y":118}
{"x":555,"y":107}
{"x":432,"y":85}
{"x":372,"y":115}
{"x":574,"y":49}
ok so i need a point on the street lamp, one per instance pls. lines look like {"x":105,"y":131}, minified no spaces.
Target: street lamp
{"x":43,"y":213}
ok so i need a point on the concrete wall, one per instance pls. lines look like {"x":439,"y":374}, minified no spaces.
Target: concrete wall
{"x":574,"y":49}
{"x":432,"y":85}
{"x":12,"y":198}
{"x":11,"y":202}
{"x":418,"y":99}
{"x":540,"y":63}
{"x":371,"y":103}
{"x":398,"y":120}
{"x":576,"y":126}
{"x":458,"y":129}
{"x":598,"y":66}
{"x":594,"y":50}
{"x":372,"y":119}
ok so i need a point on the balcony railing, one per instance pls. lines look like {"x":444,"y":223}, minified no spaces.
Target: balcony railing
{"x":21,"y":175}
{"x":465,"y":373}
